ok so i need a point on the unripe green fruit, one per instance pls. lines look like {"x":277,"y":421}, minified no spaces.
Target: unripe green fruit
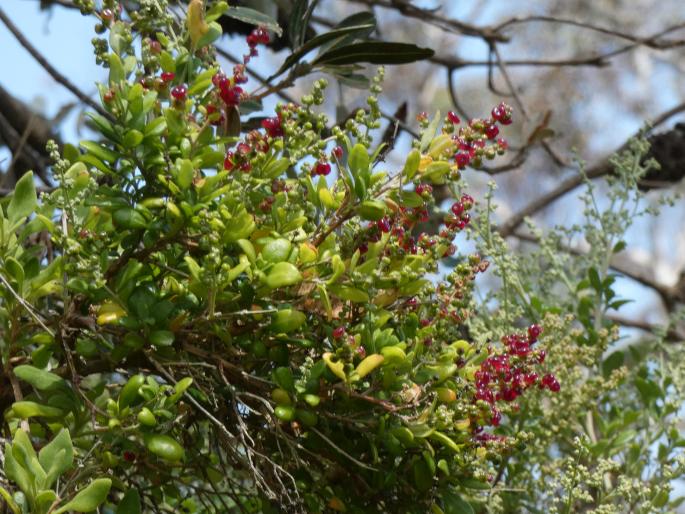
{"x":285,"y":412}
{"x":164,"y":447}
{"x":147,"y":418}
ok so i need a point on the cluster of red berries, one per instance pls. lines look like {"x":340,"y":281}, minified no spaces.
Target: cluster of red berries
{"x":459,"y":217}
{"x":229,"y":90}
{"x":255,"y":143}
{"x":322,"y":168}
{"x":258,"y":36}
{"x":273,"y":126}
{"x":505,"y":376}
{"x":475,"y":140}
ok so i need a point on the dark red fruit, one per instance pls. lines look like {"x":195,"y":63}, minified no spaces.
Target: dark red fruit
{"x":322,"y":168}
{"x":462,"y":159}
{"x":273,"y":127}
{"x":453,"y":118}
{"x":491,"y":131}
{"x":534,"y":332}
{"x":179,"y":93}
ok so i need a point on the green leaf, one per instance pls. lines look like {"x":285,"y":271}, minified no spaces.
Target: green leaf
{"x":283,"y":274}
{"x":423,"y":478}
{"x":472,"y":483}
{"x":16,"y":472}
{"x":365,"y":20}
{"x":116,"y":70}
{"x":317,"y":41}
{"x":595,"y":281}
{"x":455,"y":504}
{"x":213,"y":33}
{"x":103,"y":125}
{"x":351,"y":294}
{"x":353,"y":80}
{"x":27,"y":409}
{"x":648,"y":389}
{"x":130,"y":503}
{"x":185,"y":173}
{"x":132,"y":138}
{"x":7,"y":497}
{"x":57,"y":456}
{"x":44,"y":499}
{"x":429,"y":133}
{"x":164,"y":447}
{"x":156,"y":127}
{"x":612,"y":362}
{"x":161,"y":338}
{"x":180,"y":388}
{"x":89,"y":498}
{"x":374,"y":52}
{"x":254,"y":18}
{"x":298,"y":22}
{"x":39,"y":378}
{"x":24,"y":200}
{"x":99,"y":151}
{"x":359,"y":161}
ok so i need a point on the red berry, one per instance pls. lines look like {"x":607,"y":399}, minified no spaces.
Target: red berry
{"x":502,"y":144}
{"x":179,"y":92}
{"x":322,"y":168}
{"x":509,"y":395}
{"x":273,"y":127}
{"x":485,"y":395}
{"x":229,"y":163}
{"x":384,"y":225}
{"x":453,"y":118}
{"x":218,"y":79}
{"x":239,"y":76}
{"x":360,"y":352}
{"x":491,"y":131}
{"x":108,"y":97}
{"x":541,"y":356}
{"x":230,"y":95}
{"x":462,"y":159}
{"x":534,"y":332}
{"x":252,"y":40}
{"x":530,"y":378}
{"x":338,"y":332}
{"x":337,"y":152}
{"x":423,"y":188}
{"x":496,"y":417}
{"x":502,"y":113}
{"x":550,"y":381}
{"x":457,"y":208}
{"x":167,"y":76}
{"x":467,"y":201}
{"x":129,"y":456}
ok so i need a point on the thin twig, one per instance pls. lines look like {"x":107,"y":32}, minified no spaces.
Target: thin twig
{"x":48,"y":67}
{"x":603,"y":167}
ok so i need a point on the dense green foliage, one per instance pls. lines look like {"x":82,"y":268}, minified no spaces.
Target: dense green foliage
{"x":206,"y":316}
